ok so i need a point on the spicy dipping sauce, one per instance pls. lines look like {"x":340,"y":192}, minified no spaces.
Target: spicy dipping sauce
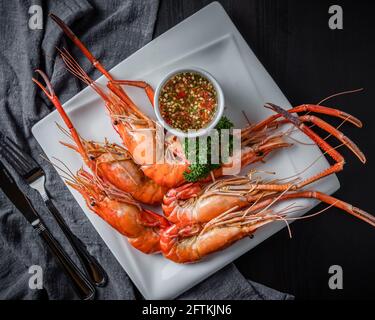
{"x":188,"y":101}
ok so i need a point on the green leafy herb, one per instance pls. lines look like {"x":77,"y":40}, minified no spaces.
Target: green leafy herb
{"x":224,"y":123}
{"x":201,"y":169}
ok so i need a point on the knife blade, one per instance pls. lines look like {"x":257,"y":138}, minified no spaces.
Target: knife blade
{"x":82,"y":284}
{"x":16,"y":196}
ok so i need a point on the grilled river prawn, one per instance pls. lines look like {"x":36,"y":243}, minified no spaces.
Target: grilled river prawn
{"x":119,"y":209}
{"x":231,"y":209}
{"x":193,"y":242}
{"x":203,"y":202}
{"x":111,"y":162}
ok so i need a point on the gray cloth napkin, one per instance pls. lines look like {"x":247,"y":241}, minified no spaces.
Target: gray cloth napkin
{"x":112,"y":30}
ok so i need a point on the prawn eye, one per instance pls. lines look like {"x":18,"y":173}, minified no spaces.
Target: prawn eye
{"x":92,"y":202}
{"x":115,"y":122}
{"x":91,"y":157}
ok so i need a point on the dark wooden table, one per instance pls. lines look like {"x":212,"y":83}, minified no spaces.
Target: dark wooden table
{"x":309,"y":61}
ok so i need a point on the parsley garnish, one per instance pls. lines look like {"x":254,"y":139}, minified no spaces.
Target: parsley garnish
{"x":198,"y":170}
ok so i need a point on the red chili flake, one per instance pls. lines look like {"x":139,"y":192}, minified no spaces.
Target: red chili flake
{"x":181,"y":94}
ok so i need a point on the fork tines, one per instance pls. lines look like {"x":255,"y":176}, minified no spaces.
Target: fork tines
{"x":25,"y":165}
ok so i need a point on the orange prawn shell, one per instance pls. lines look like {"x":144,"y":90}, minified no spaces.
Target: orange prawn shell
{"x":125,"y":219}
{"x":194,"y":248}
{"x":118,"y":209}
{"x":126,"y":175}
{"x":189,"y":204}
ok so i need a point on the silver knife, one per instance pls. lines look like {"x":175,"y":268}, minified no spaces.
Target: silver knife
{"x":81,"y":283}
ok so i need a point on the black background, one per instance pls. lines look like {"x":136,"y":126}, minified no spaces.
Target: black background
{"x":309,"y":61}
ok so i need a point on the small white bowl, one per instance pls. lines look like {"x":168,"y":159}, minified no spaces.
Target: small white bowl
{"x":219,"y":109}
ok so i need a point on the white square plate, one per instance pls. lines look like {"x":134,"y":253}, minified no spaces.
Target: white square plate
{"x":207,"y":39}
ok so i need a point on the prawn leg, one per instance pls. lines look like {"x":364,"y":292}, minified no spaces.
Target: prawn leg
{"x":309,"y":108}
{"x":344,"y":206}
{"x":333,"y":153}
{"x":139,"y":84}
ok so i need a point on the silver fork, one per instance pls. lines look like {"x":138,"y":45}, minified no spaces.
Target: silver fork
{"x":34,"y":175}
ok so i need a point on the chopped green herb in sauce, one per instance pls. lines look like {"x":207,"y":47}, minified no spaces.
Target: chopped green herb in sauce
{"x":188,"y":101}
